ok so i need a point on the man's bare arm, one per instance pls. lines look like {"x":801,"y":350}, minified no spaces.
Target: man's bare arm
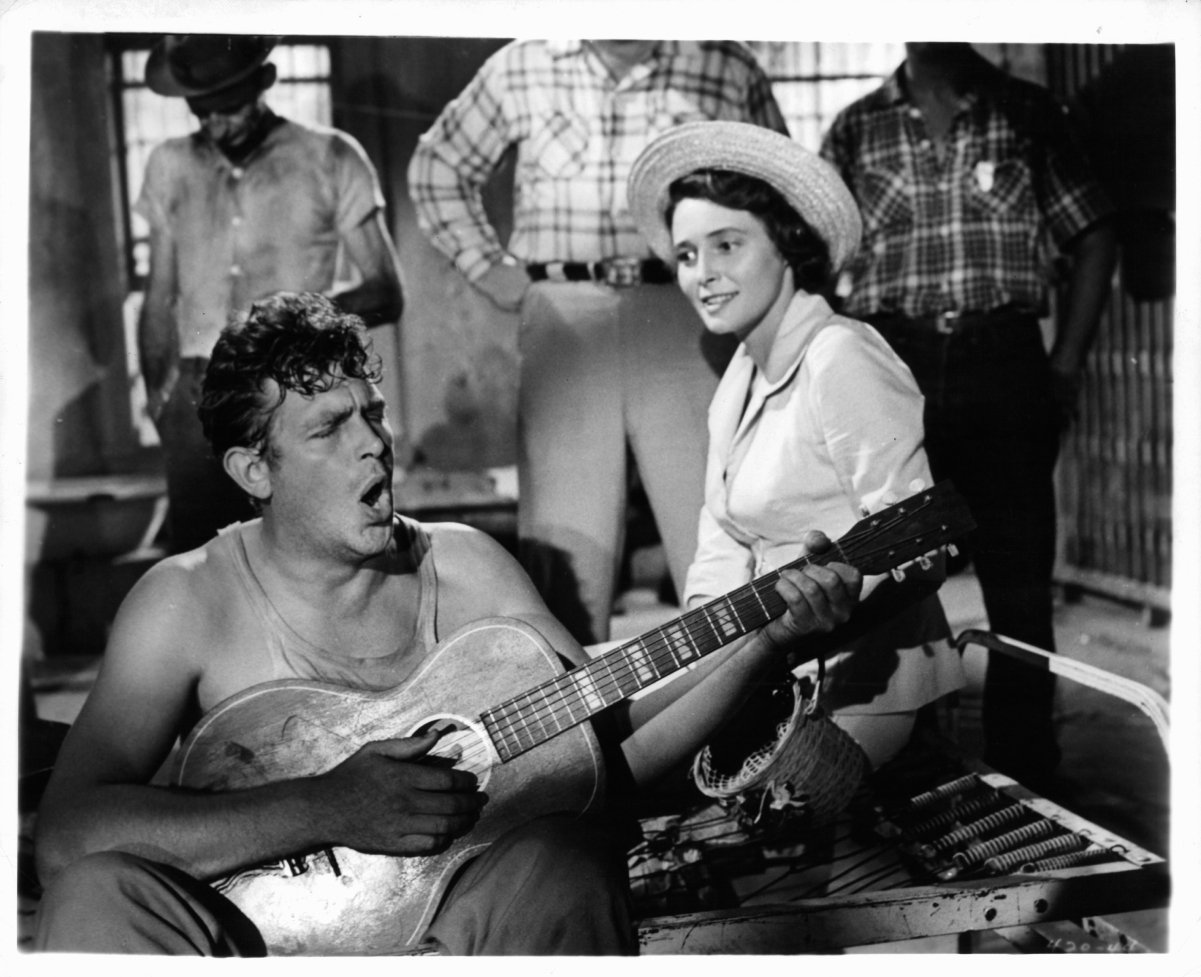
{"x":158,"y":338}
{"x":379,"y":296}
{"x":1094,"y":255}
{"x":99,"y":797}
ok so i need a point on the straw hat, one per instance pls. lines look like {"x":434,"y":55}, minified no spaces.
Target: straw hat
{"x":197,"y":65}
{"x":810,"y":184}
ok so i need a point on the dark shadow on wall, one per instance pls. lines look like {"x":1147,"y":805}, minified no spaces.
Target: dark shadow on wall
{"x":1127,"y":118}
{"x":554,"y":576}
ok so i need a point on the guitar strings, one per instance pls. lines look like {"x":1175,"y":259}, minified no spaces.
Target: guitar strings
{"x":563,"y":694}
{"x":524,"y":710}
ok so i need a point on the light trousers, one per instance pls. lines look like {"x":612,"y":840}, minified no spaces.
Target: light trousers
{"x":601,"y":369}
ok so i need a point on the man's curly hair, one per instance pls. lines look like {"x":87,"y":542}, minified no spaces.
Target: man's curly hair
{"x":302,"y":341}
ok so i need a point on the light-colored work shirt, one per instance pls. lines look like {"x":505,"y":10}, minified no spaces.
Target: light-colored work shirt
{"x":272,"y":223}
{"x":837,"y":434}
{"x":577,"y":131}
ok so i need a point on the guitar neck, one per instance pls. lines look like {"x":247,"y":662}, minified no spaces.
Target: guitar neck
{"x":876,"y":544}
{"x":569,"y":699}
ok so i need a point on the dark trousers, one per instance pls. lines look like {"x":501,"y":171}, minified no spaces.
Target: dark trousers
{"x":201,"y":498}
{"x":991,"y":428}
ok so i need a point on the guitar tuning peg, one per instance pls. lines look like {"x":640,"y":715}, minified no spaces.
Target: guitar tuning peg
{"x":952,"y":549}
{"x":898,"y":575}
{"x":924,"y":562}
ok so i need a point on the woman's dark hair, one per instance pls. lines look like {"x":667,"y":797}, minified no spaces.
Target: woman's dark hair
{"x":802,"y":248}
{"x":302,"y":341}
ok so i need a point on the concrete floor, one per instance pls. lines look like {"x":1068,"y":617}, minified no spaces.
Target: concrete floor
{"x":1114,"y":771}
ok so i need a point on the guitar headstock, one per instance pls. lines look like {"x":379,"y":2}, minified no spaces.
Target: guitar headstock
{"x":906,"y":531}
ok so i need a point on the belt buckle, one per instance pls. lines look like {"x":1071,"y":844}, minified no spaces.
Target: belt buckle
{"x":944,"y":323}
{"x":621,"y":272}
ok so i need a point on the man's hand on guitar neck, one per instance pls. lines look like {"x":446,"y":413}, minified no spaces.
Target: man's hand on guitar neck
{"x":818,"y":598}
{"x":385,"y":799}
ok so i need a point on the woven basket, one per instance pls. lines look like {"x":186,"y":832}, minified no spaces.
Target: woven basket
{"x":809,"y":773}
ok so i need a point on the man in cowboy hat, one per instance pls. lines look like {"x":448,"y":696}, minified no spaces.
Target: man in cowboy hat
{"x":249,"y":204}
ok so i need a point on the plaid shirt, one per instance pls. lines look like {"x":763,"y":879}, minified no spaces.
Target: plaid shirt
{"x":973,"y":229}
{"x":577,"y":134}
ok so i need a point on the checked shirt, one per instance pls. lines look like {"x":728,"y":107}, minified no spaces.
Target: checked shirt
{"x":577,"y":132}
{"x":970,"y":227}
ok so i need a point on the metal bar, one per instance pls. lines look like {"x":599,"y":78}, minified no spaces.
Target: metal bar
{"x":818,"y":925}
{"x":1148,"y":701}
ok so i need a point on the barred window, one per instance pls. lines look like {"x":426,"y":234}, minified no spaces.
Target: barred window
{"x":814,"y":81}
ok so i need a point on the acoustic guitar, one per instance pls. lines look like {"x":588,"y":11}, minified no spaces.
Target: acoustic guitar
{"x":509,"y":713}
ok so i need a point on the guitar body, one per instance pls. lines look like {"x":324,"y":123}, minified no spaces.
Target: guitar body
{"x":338,"y":900}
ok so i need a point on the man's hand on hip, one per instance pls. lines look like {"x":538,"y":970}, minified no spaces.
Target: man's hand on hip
{"x":504,"y":285}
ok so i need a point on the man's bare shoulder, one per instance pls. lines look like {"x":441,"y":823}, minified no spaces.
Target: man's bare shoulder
{"x":185,"y":595}
{"x":479,"y":578}
{"x":455,"y":537}
{"x":476,"y":569}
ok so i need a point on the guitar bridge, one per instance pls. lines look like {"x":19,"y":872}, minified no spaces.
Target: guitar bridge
{"x":295,"y":865}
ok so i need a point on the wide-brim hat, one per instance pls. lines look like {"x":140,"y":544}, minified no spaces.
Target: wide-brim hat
{"x":806,"y":181}
{"x":195,"y":65}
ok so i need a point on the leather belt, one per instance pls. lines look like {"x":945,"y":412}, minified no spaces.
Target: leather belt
{"x":952,"y":323}
{"x":617,"y":272}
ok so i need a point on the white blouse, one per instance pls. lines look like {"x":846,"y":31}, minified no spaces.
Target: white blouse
{"x":838,"y":434}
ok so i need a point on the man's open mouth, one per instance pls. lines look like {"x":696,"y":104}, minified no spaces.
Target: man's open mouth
{"x":374,"y":491}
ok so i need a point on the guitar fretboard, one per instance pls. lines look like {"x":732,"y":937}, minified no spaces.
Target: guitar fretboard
{"x":875,"y":544}
{"x":569,"y":699}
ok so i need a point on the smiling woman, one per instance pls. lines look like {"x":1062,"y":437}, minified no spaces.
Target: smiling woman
{"x":815,"y":422}
{"x":731,"y":270}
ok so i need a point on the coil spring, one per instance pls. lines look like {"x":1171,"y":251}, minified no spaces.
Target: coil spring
{"x":974,"y":829}
{"x":1093,"y":854}
{"x":975,"y":854}
{"x":969,"y":807}
{"x":1052,"y":846}
{"x":958,"y":786}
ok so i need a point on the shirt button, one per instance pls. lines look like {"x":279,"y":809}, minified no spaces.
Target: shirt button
{"x":236,"y":220}
{"x":237,"y":172}
{"x":235,"y":270}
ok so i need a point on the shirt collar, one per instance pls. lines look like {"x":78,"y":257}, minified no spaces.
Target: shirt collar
{"x":985,"y":75}
{"x":275,"y":127}
{"x":573,"y":48}
{"x":805,"y":314}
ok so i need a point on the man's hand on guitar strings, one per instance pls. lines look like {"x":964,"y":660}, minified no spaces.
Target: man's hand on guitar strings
{"x":818,"y":598}
{"x":384,"y":799}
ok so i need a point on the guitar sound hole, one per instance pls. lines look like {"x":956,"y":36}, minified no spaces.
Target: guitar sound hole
{"x":460,"y":746}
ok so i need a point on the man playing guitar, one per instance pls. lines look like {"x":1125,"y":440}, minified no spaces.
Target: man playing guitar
{"x":330,"y":585}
